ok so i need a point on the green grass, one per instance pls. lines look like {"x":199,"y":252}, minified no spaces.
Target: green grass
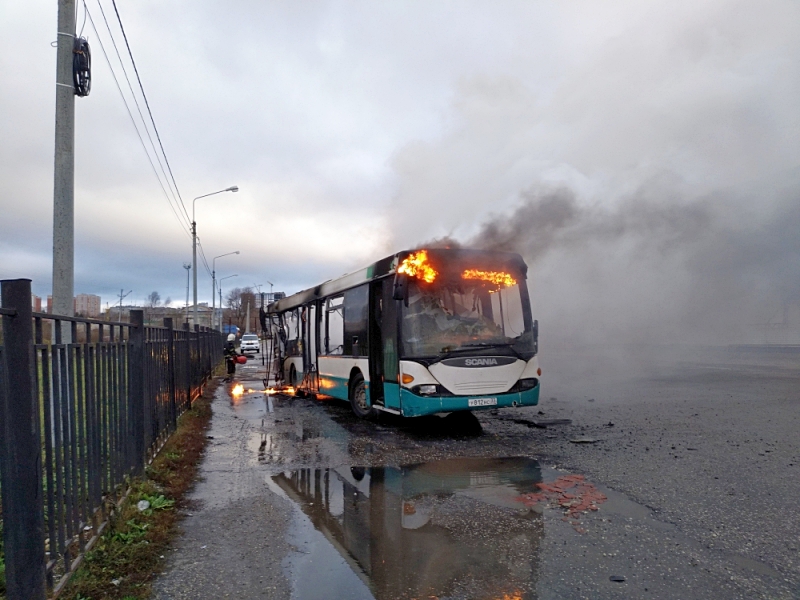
{"x":124,"y":562}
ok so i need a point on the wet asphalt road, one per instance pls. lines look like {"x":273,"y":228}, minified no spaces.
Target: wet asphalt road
{"x":684,"y":485}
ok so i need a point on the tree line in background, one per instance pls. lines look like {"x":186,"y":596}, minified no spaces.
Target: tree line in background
{"x":236,"y":302}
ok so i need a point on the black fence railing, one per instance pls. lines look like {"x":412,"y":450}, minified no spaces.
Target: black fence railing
{"x":84,"y":404}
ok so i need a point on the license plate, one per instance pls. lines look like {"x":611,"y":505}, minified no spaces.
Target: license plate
{"x":482,"y":402}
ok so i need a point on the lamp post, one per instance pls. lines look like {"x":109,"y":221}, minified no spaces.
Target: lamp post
{"x":214,"y":286}
{"x":220,"y":297}
{"x":233,"y":188}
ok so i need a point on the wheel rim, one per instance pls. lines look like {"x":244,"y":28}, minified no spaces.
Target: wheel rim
{"x":360,"y":396}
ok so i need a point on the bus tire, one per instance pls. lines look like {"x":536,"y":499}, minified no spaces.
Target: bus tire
{"x":358,"y":397}
{"x":292,"y":375}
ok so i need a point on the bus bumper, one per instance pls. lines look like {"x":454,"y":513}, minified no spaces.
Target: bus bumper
{"x":412,"y":405}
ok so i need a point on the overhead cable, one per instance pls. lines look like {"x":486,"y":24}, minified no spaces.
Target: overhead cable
{"x":183,"y":223}
{"x":138,"y":107}
{"x":147,"y":104}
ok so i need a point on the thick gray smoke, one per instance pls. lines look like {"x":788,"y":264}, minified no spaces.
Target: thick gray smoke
{"x":652,"y":185}
{"x":652,"y":268}
{"x":548,"y":220}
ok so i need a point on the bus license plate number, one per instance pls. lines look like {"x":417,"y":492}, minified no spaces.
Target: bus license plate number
{"x":482,"y":402}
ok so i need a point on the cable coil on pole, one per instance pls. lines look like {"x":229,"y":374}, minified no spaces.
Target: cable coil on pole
{"x":81,"y":67}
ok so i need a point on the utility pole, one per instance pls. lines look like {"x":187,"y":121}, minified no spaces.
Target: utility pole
{"x":263,"y":331}
{"x":188,"y":267}
{"x":233,"y":188}
{"x":122,"y":296}
{"x":64,"y":171}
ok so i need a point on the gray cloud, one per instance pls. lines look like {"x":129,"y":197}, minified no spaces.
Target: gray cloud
{"x":356,"y":129}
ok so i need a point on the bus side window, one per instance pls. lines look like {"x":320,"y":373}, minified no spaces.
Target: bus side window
{"x":334,"y":326}
{"x":356,"y":303}
{"x":291,"y":321}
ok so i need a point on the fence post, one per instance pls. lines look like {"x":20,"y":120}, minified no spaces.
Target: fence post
{"x":21,"y":452}
{"x":173,"y":412}
{"x":198,"y":360}
{"x":188,"y":373}
{"x":136,"y":390}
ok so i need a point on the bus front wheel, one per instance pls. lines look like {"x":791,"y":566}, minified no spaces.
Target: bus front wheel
{"x":358,"y":397}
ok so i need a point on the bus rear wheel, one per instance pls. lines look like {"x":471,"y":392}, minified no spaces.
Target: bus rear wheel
{"x":358,"y":398}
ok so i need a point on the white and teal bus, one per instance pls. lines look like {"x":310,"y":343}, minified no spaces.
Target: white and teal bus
{"x":420,"y":332}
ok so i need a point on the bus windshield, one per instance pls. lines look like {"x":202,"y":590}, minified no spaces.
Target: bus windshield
{"x":447,"y":316}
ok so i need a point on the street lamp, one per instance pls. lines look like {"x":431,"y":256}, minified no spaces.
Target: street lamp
{"x":220,"y":297}
{"x":214,"y":285}
{"x":233,"y":188}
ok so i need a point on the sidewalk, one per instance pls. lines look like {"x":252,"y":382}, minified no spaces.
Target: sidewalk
{"x":232,"y":541}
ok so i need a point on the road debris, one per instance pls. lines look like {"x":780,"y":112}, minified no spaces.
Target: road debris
{"x":570,"y":492}
{"x":542,"y":423}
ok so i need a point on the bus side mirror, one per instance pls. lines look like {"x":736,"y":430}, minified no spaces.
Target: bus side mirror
{"x":400,"y":291}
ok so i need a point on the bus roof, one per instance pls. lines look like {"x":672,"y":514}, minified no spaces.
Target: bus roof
{"x":383,"y":268}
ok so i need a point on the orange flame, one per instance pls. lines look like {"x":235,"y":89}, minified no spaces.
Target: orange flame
{"x":496,"y":277}
{"x":238,"y":389}
{"x":416,"y":265}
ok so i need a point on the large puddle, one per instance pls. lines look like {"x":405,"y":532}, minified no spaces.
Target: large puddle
{"x":458,"y":528}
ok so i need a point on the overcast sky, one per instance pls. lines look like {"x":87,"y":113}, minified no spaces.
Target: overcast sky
{"x":355,"y":129}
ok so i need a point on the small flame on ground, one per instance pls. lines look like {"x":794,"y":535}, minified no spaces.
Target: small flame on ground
{"x":495,"y":277}
{"x":416,"y":265}
{"x":238,"y":389}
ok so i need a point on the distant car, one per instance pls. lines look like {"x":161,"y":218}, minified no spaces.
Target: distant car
{"x":249,"y":343}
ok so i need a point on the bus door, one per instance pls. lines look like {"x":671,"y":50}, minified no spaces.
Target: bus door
{"x":375,"y":343}
{"x":383,"y":345}
{"x":311,"y":336}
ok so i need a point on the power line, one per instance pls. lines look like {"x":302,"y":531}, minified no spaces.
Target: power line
{"x":136,"y":101}
{"x":147,"y":104}
{"x":203,"y":256}
{"x":133,"y":121}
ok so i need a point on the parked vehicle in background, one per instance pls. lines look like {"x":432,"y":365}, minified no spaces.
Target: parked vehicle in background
{"x":249,"y":343}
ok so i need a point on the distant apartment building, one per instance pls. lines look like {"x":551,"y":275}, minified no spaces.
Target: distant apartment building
{"x":87,"y":305}
{"x":36,"y":303}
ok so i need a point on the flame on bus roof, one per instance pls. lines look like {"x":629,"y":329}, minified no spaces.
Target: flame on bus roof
{"x":496,"y":277}
{"x":416,"y":265}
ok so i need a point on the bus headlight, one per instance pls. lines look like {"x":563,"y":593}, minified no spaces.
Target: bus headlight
{"x":523,"y":385}
{"x":430,"y":389}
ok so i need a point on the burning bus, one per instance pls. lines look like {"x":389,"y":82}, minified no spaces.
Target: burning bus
{"x":417,"y":333}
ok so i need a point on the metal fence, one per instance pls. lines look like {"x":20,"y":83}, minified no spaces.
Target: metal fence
{"x":84,"y":404}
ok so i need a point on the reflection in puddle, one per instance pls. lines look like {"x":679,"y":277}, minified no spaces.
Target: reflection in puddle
{"x":445,"y":529}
